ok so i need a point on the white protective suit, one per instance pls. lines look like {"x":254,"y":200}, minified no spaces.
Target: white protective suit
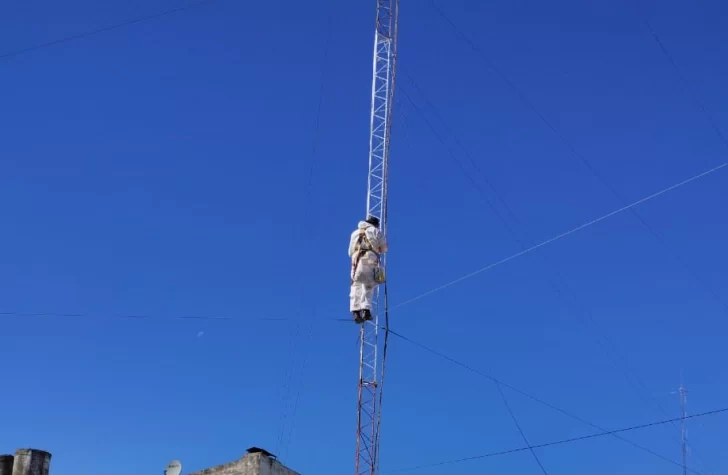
{"x":363,"y":265}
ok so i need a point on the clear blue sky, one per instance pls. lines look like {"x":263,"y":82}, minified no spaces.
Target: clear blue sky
{"x":161,"y":169}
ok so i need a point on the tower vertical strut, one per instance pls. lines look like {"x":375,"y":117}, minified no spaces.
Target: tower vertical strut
{"x":370,"y":370}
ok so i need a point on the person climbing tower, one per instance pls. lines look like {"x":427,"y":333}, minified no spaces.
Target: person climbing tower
{"x":365,"y":246}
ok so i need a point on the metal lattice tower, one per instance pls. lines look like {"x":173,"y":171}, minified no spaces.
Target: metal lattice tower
{"x":370,"y":370}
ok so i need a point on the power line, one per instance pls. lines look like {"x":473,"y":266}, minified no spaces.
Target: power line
{"x":583,"y":159}
{"x":564,"y":441}
{"x":560,"y":236}
{"x":134,"y":316}
{"x":500,"y":217}
{"x":309,"y":188}
{"x":702,"y":107}
{"x":120,"y":316}
{"x":706,"y":286}
{"x":520,"y":430}
{"x":452,"y":156}
{"x":103,"y":29}
{"x":524,"y":393}
{"x":576,"y":153}
{"x":625,"y":369}
{"x":397,"y":334}
{"x":681,"y":76}
{"x":498,"y":386}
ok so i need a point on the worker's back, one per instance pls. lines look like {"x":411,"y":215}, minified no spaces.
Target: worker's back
{"x":372,"y":239}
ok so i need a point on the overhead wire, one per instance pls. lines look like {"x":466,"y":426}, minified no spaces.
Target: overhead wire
{"x":509,"y":228}
{"x":454,"y":158}
{"x":536,"y":399}
{"x":309,"y":188}
{"x":681,"y":75}
{"x":122,"y":316}
{"x":656,"y":235}
{"x":700,"y":280}
{"x":479,"y":51}
{"x":560,"y":236}
{"x":626,"y":369}
{"x":451,"y":360}
{"x":520,"y":430}
{"x":692,"y":93}
{"x":563,"y":442}
{"x":414,"y":343}
{"x":104,"y":29}
{"x":502,"y":219}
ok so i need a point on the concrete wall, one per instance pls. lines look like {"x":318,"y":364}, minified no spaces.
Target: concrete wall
{"x":251,"y":464}
{"x":244,"y":466}
{"x":269,"y":466}
{"x":31,"y":462}
{"x":6,"y":465}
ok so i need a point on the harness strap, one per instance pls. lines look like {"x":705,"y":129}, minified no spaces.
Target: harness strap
{"x":363,"y":239}
{"x":361,"y":251}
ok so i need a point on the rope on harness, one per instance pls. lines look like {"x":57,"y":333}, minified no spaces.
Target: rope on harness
{"x":361,"y":251}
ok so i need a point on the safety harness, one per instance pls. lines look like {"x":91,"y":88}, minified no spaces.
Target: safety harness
{"x":363,"y":245}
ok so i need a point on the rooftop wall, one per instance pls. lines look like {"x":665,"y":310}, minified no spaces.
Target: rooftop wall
{"x":6,"y":465}
{"x":269,"y":466}
{"x":251,"y":464}
{"x":31,"y":462}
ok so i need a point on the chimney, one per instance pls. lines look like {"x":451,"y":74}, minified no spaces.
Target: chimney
{"x":31,"y":462}
{"x":6,"y":465}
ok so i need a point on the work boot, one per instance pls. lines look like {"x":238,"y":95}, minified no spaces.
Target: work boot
{"x":357,"y":316}
{"x":367,"y":314}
